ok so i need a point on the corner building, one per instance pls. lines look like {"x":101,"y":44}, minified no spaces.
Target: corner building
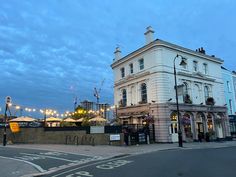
{"x":144,"y":87}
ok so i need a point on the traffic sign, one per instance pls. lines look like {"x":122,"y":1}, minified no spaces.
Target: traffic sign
{"x":8,"y":99}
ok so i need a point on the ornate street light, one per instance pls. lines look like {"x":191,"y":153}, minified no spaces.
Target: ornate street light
{"x":182,"y":63}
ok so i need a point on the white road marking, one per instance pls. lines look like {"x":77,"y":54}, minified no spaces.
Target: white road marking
{"x":45,"y":156}
{"x":52,"y":153}
{"x":84,"y":166}
{"x":113,"y":164}
{"x":47,"y":149}
{"x":84,"y":173}
{"x":34,"y":165}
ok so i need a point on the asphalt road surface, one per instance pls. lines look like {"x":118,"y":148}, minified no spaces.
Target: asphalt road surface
{"x":219,"y":162}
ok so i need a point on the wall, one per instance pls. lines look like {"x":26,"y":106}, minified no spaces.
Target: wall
{"x":39,"y":136}
{"x":229,"y":94}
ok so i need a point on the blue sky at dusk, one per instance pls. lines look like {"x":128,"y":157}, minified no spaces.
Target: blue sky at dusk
{"x":54,"y":50}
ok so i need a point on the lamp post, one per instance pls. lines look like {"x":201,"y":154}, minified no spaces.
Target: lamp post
{"x":182,"y":63}
{"x":8,"y":101}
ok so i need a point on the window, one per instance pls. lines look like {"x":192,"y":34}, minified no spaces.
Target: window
{"x":185,"y":64}
{"x":143,"y":93}
{"x":185,"y":88}
{"x":206,"y":92}
{"x":174,"y":124}
{"x":195,"y":66}
{"x":124,"y":97}
{"x":230,"y":106}
{"x":205,"y":68}
{"x":131,"y":68}
{"x":141,"y":64}
{"x":228,"y":86}
{"x":122,"y":71}
{"x":186,"y":96}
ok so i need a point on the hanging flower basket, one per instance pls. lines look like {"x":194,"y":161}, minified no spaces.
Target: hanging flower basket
{"x":186,"y":121}
{"x":210,"y":101}
{"x":187,"y":99}
{"x":149,"y":119}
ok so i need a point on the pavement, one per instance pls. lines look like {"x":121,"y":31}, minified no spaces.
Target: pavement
{"x":105,"y":151}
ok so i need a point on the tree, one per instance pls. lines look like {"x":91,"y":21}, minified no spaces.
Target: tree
{"x":79,"y":113}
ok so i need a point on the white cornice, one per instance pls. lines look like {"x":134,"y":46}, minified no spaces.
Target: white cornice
{"x":132,"y":77}
{"x":161,"y":43}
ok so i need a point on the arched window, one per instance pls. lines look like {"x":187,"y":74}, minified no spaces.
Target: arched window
{"x":143,"y":93}
{"x":196,"y":94}
{"x":174,"y":123}
{"x":173,"y":116}
{"x":185,"y":89}
{"x":206,"y":92}
{"x":186,"y":96}
{"x":124,"y":97}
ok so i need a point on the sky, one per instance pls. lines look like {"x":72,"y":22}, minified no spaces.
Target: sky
{"x":52,"y":51}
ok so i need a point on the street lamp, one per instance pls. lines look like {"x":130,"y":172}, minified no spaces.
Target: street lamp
{"x":182,"y":63}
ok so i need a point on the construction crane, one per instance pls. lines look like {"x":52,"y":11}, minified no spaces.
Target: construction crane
{"x":97,"y":93}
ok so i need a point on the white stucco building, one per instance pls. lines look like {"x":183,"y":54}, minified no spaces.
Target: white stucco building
{"x":144,"y":85}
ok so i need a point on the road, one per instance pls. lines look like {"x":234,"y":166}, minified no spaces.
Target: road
{"x":186,"y":162}
{"x":219,"y":162}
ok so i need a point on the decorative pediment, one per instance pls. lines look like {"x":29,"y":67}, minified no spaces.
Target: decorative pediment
{"x":196,"y":75}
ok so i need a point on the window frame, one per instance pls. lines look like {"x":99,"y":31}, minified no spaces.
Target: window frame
{"x":205,"y":68}
{"x":206,"y":92}
{"x":122,"y":72}
{"x":230,"y":106}
{"x":143,"y":92}
{"x":124,"y":97}
{"x":195,"y":66}
{"x":131,"y":68}
{"x":228,"y":86}
{"x":141,"y":64}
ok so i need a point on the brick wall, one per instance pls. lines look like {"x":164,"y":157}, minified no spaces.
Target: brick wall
{"x":39,"y":136}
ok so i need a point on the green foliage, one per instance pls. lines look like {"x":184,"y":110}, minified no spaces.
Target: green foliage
{"x":79,"y":113}
{"x":210,"y":101}
{"x":67,"y":124}
{"x":187,"y":99}
{"x":82,"y":113}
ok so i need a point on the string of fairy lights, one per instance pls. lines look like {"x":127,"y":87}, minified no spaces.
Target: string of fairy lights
{"x":55,"y":113}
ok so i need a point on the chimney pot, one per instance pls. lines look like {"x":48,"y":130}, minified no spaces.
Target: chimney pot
{"x":149,"y":34}
{"x":117,"y":53}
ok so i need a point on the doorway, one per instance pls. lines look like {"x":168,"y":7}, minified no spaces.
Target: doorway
{"x":186,"y":120}
{"x":174,"y":127}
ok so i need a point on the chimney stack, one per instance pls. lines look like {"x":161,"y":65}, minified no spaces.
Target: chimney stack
{"x":117,"y":53}
{"x":149,"y":35}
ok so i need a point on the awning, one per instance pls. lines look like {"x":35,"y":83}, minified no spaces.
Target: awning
{"x":124,"y":117}
{"x":138,"y":116}
{"x":232,"y":117}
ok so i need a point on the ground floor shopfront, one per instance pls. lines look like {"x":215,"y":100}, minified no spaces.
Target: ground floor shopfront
{"x":197,"y":122}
